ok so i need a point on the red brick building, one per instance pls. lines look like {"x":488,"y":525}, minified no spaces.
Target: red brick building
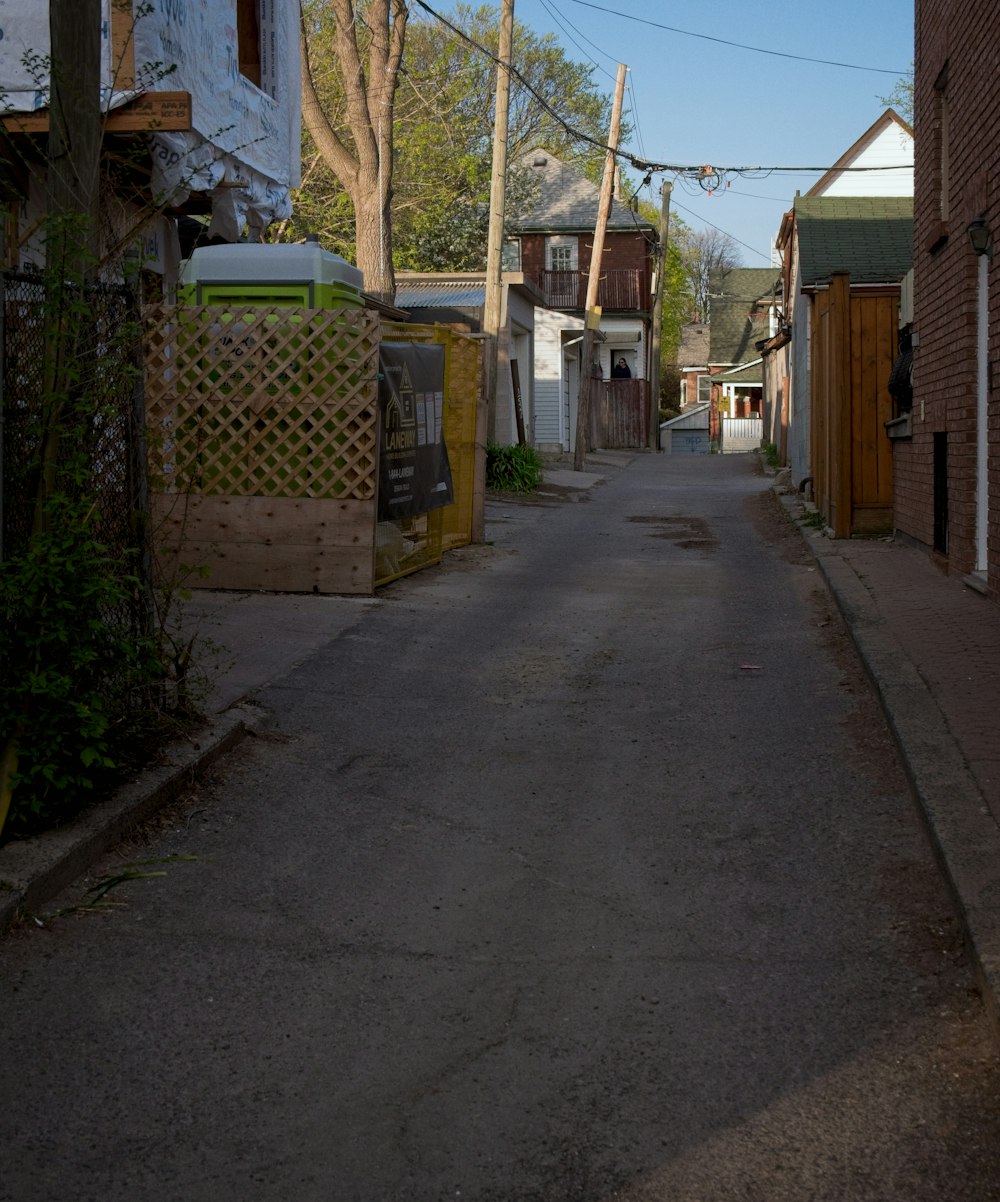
{"x":947,"y":439}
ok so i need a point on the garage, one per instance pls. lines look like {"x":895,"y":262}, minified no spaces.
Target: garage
{"x":687,"y":434}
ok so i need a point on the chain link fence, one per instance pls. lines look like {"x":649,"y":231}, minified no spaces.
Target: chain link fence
{"x":110,"y":376}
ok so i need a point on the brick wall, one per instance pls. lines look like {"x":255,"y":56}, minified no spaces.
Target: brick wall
{"x":957,"y":101}
{"x":621,"y":250}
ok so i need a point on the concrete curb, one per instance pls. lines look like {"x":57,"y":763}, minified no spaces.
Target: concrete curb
{"x":962,"y":831}
{"x":33,"y":871}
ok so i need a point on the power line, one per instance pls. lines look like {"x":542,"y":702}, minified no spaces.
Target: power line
{"x":802,"y":58}
{"x":699,"y":217}
{"x":689,"y":170}
{"x":557,"y":16}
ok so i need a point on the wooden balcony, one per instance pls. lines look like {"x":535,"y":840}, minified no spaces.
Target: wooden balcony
{"x":620,"y":290}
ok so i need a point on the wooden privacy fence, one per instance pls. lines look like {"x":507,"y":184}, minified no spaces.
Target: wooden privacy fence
{"x":264,"y":448}
{"x":619,"y":414}
{"x":853,"y":349}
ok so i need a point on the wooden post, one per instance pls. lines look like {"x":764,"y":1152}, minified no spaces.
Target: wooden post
{"x":594,"y":279}
{"x":840,"y":426}
{"x":74,"y":131}
{"x":653,"y":440}
{"x":494,"y":254}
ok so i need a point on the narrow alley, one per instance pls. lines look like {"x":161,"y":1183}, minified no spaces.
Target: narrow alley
{"x":581,"y":869}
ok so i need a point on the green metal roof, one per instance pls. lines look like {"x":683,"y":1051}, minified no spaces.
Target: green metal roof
{"x":738,"y":316}
{"x":871,"y":237}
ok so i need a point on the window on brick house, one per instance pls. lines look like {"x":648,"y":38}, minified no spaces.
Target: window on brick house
{"x":704,"y":389}
{"x":561,"y":253}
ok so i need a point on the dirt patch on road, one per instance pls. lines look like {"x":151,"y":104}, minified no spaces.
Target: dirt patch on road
{"x":775,"y":526}
{"x":689,"y":533}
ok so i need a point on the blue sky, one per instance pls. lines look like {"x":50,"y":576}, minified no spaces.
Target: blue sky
{"x":697,"y":101}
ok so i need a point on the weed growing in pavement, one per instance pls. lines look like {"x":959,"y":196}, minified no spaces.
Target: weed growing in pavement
{"x":513,"y":468}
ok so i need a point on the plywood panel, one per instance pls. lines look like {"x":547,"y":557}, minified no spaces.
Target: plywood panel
{"x":249,"y":568}
{"x":268,"y":521}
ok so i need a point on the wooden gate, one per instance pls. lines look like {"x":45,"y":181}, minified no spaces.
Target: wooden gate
{"x":854,"y":340}
{"x":619,"y":414}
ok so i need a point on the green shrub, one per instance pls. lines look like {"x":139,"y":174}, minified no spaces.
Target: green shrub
{"x":512,"y":469}
{"x":70,"y":675}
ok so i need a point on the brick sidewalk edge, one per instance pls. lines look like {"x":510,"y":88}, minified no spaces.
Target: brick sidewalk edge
{"x":33,"y":871}
{"x":962,"y":831}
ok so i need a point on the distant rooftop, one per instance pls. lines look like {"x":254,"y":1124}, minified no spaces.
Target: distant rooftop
{"x":567,"y":200}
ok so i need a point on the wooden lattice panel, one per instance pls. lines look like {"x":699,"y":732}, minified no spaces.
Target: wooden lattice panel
{"x":263,"y":402}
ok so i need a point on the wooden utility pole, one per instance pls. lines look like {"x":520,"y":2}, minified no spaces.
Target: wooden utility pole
{"x":494,"y":254}
{"x":654,"y":353}
{"x":74,"y":150}
{"x":594,"y":279}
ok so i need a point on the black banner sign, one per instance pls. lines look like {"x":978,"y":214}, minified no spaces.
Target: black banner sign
{"x":414,"y":474}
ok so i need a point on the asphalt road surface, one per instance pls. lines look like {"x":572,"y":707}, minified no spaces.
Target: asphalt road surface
{"x":578,"y":870}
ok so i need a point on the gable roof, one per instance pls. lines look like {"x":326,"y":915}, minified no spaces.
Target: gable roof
{"x":869,"y":236}
{"x":693,"y":349}
{"x":741,"y":300}
{"x":894,"y":152}
{"x":567,"y":201}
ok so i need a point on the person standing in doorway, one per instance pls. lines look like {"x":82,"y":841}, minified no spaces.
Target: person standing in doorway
{"x":620,"y":371}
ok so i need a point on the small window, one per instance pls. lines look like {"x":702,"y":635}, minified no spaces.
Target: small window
{"x":561,"y":253}
{"x":510,"y":255}
{"x":562,"y":258}
{"x":704,"y":389}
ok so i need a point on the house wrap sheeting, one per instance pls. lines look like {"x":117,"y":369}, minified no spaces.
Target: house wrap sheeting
{"x":243,"y":146}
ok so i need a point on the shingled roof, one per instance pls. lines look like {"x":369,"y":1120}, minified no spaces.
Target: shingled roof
{"x":693,"y":349}
{"x":567,"y":201}
{"x":871,"y":237}
{"x":738,"y":320}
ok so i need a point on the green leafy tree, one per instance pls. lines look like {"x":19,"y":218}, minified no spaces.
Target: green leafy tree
{"x":442,"y":130}
{"x":705,"y":253}
{"x":354,"y":136}
{"x":901,"y":97}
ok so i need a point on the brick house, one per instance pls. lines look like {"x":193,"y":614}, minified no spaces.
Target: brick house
{"x":742,"y":312}
{"x":550,"y":242}
{"x":946,"y":448}
{"x":692,"y":365}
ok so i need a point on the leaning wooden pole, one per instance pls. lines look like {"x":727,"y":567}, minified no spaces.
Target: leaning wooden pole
{"x":493,"y":301}
{"x":594,"y":278}
{"x":656,"y":335}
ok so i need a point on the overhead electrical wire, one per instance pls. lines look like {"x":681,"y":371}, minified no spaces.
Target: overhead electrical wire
{"x":564,"y":26}
{"x":802,"y":58}
{"x":699,"y":217}
{"x":703,"y":174}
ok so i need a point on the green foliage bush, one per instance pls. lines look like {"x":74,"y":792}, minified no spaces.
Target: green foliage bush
{"x":512,"y":468}
{"x":70,"y":676}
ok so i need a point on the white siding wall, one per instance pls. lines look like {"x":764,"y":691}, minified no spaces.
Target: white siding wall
{"x":892,"y":148}
{"x":549,"y":377}
{"x":798,"y":401}
{"x":635,"y":351}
